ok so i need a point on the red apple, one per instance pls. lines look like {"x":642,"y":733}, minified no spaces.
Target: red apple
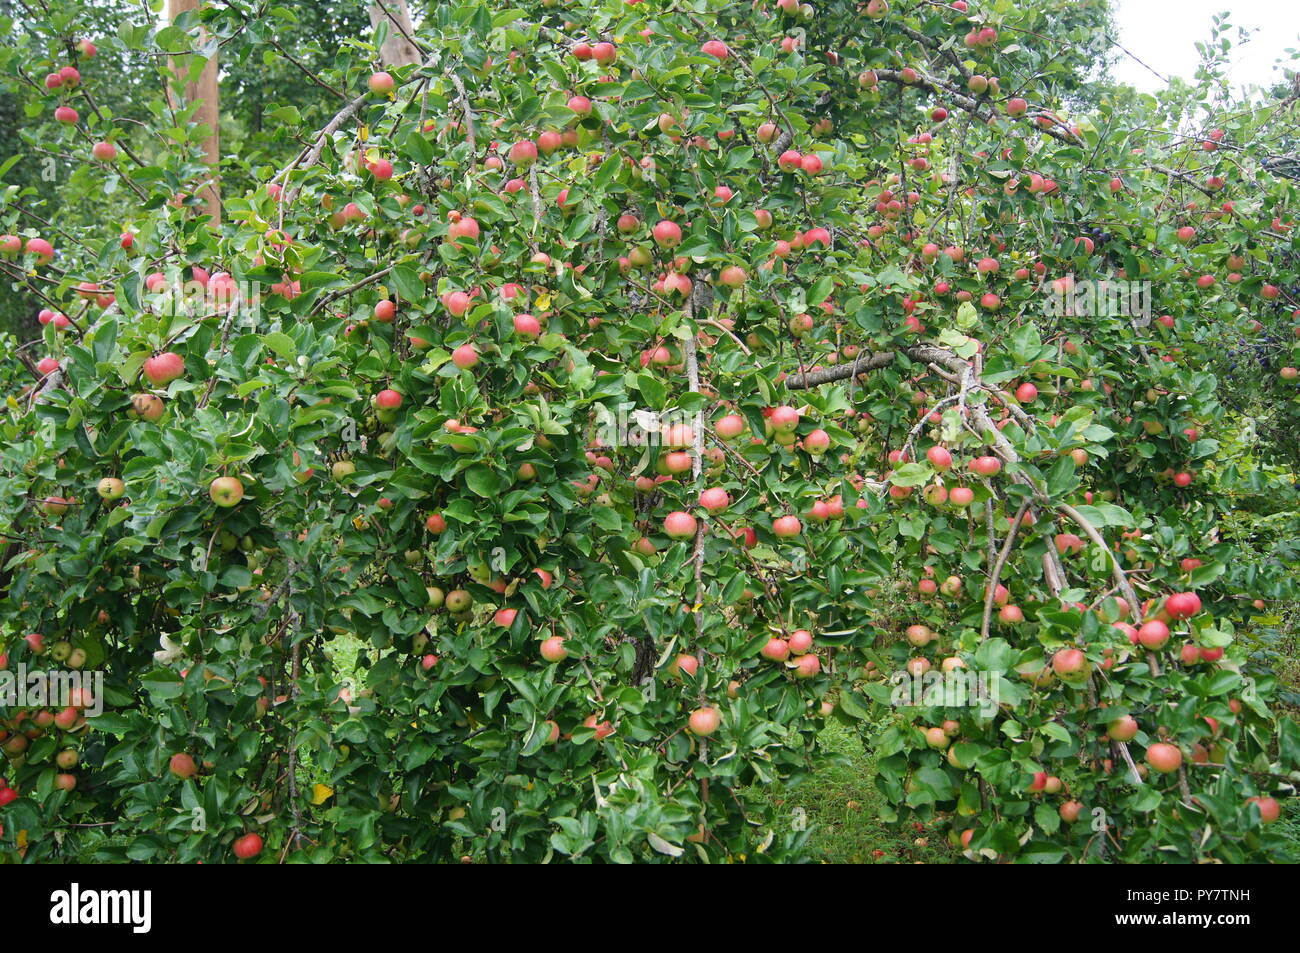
{"x":162,"y":369}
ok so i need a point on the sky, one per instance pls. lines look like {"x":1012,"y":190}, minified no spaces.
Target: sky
{"x":1163,"y":34}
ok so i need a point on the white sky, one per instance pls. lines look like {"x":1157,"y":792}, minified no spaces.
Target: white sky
{"x":1163,"y":34}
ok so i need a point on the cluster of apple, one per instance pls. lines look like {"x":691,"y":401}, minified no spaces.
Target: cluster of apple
{"x":64,"y":81}
{"x":182,"y":766}
{"x":25,"y":735}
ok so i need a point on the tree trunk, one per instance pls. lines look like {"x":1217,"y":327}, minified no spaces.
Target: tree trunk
{"x":205,"y":93}
{"x":397,"y":50}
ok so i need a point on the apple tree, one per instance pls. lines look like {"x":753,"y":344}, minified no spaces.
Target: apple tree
{"x":531,"y":463}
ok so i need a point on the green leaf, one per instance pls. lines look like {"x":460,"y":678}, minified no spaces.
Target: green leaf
{"x":482,"y":481}
{"x":407,"y":282}
{"x":281,"y":344}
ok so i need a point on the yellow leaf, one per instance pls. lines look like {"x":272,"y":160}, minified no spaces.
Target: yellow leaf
{"x":321,"y":793}
{"x":544,"y":301}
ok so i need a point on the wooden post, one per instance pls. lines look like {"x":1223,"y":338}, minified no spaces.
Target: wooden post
{"x":204,"y":92}
{"x":397,"y":50}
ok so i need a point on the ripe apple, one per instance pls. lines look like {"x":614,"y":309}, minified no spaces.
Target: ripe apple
{"x":667,"y":234}
{"x":817,"y":443}
{"x":380,"y":83}
{"x":730,"y":426}
{"x":1071,"y":666}
{"x":54,"y":506}
{"x":553,"y":649}
{"x":800,"y":642}
{"x":939,"y":458}
{"x":1069,"y":544}
{"x":1153,"y":635}
{"x":935,"y":494}
{"x":182,"y":765}
{"x":1183,"y":605}
{"x":704,"y":721}
{"x":464,"y":356}
{"x":250,"y":845}
{"x":40,"y":248}
{"x":785,"y":527}
{"x":1124,"y":728}
{"x":527,"y":327}
{"x":1164,"y":757}
{"x":680,"y":525}
{"x":715,"y":499}
{"x":226,"y":491}
{"x":808,"y":666}
{"x":776,"y":649}
{"x":684,"y":665}
{"x":388,"y":399}
{"x":523,"y":153}
{"x":733,"y":276}
{"x":603,"y":728}
{"x":784,"y":419}
{"x":146,"y":407}
{"x":162,"y":369}
{"x":919,"y":635}
{"x":548,"y":142}
{"x":1269,"y":809}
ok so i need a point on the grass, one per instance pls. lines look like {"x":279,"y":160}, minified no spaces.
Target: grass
{"x":842,"y":806}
